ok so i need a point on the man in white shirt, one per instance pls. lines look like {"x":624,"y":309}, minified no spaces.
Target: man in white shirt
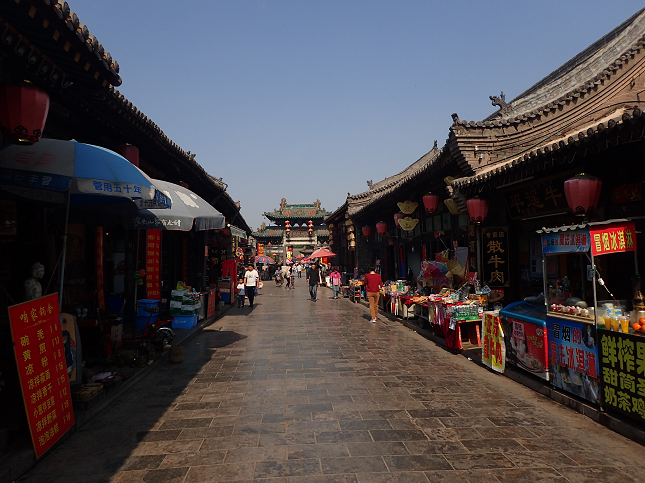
{"x":251,"y":277}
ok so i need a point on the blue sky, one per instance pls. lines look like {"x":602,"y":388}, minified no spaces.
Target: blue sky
{"x":310,"y":99}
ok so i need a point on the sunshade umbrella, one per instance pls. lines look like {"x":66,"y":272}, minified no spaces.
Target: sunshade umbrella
{"x":85,"y":173}
{"x":321,"y":253}
{"x":264,"y":259}
{"x":187,"y":210}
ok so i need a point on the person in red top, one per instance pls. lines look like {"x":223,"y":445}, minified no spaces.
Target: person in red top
{"x":373,"y":285}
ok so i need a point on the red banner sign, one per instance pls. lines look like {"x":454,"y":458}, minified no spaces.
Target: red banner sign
{"x":153,"y":264}
{"x":260,"y":249}
{"x":41,"y":355}
{"x":614,"y":238}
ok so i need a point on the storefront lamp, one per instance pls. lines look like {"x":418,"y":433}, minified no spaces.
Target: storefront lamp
{"x":397,"y":217}
{"x":477,"y":209}
{"x":23,"y":112}
{"x":367,"y":231}
{"x":430,"y":202}
{"x":582,"y":193}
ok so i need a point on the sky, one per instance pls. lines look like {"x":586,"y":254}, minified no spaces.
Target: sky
{"x":308,"y":100}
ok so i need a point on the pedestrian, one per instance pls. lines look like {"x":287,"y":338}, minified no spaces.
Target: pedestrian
{"x":335,"y":278}
{"x":288,"y":275}
{"x":250,"y":283}
{"x":240,"y":294}
{"x":373,"y":285}
{"x":314,"y":278}
{"x":293,"y":277}
{"x":299,"y":271}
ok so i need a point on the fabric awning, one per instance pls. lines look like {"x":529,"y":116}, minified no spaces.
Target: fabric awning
{"x":188,"y":210}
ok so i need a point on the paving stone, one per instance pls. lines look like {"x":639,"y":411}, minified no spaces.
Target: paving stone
{"x":316,"y":394}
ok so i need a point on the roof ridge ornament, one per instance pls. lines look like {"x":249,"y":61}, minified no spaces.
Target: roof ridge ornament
{"x":501,"y":102}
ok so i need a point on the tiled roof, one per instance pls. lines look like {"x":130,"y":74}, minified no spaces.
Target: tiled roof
{"x":48,"y":34}
{"x":626,"y":125}
{"x":578,"y":76}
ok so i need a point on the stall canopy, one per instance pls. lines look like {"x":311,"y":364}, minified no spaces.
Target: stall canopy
{"x":89,"y":174}
{"x":187,"y":211}
{"x":322,"y":253}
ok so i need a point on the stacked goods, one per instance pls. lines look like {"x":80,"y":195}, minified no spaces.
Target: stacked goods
{"x":177,"y":301}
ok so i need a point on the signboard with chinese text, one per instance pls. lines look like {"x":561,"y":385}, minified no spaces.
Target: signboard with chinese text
{"x":526,"y":347}
{"x":493,"y":347}
{"x":573,"y":357}
{"x":42,"y":370}
{"x":570,"y":241}
{"x":537,"y":198}
{"x":495,"y":257}
{"x":614,"y":238}
{"x":472,"y":249}
{"x":153,"y":264}
{"x":260,"y":249}
{"x":622,"y":366}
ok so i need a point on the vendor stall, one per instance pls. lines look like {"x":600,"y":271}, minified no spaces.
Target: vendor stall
{"x":575,"y":325}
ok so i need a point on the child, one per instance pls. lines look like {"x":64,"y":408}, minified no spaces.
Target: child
{"x":240,"y":293}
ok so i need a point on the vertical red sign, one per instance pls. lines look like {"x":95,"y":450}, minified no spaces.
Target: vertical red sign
{"x":40,"y":356}
{"x":153,"y":264}
{"x":100,"y":290}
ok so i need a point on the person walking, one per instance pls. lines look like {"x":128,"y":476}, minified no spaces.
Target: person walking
{"x":299,"y":271}
{"x":251,"y":277}
{"x":373,"y":285}
{"x":287,"y":274}
{"x":240,"y":294}
{"x":293,"y":277}
{"x":335,"y":278}
{"x":314,"y":278}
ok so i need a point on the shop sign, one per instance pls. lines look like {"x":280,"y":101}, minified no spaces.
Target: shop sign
{"x":573,"y":357}
{"x":614,"y":238}
{"x":493,"y":348}
{"x":153,"y":265}
{"x":537,"y":198}
{"x":47,"y":181}
{"x":628,"y":192}
{"x":526,"y":347}
{"x":472,"y":249}
{"x":495,"y":257}
{"x":40,"y":356}
{"x":260,"y":249}
{"x":573,"y":241}
{"x":622,"y":365}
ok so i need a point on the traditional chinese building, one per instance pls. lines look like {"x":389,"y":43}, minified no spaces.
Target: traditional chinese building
{"x":296,"y":230}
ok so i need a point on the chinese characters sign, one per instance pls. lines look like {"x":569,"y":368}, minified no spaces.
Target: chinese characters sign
{"x":495,"y":257}
{"x":622,"y":363}
{"x":573,"y":357}
{"x":472,"y":249}
{"x":566,"y":242}
{"x":260,"y":249}
{"x":614,"y":238}
{"x":526,"y":345}
{"x":493,"y":348}
{"x":537,"y":198}
{"x":41,"y":359}
{"x":153,"y":264}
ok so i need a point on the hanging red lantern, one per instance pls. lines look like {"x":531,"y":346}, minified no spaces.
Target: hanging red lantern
{"x":430,"y":202}
{"x":288,"y":230}
{"x":582,"y":193}
{"x":311,"y":231}
{"x":397,"y":217}
{"x":477,"y":209}
{"x":23,"y":112}
{"x":381,"y":228}
{"x":367,"y":231}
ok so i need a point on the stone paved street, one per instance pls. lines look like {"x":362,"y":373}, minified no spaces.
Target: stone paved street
{"x":295,"y":391}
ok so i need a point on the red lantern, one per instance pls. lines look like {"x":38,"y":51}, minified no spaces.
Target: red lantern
{"x":23,"y":112}
{"x":311,"y":231}
{"x":288,"y":230}
{"x":397,"y":217}
{"x":367,"y":231}
{"x":430,"y":202}
{"x":583,"y":192}
{"x":477,"y":209}
{"x":381,"y":228}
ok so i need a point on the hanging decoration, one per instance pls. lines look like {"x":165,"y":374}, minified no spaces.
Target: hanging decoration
{"x":430,"y":202}
{"x":397,"y":218}
{"x":477,"y":209}
{"x":582,"y":193}
{"x":381,"y":228}
{"x":407,"y":207}
{"x":408,"y":223}
{"x":367,"y":231}
{"x":23,"y":112}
